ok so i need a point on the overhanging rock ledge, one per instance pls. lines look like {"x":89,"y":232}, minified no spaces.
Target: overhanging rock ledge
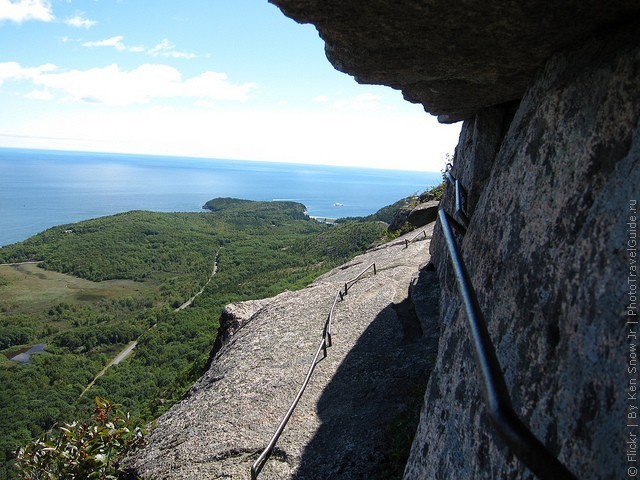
{"x":454,"y":58}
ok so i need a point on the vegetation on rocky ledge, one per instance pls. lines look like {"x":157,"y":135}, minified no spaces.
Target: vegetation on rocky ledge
{"x":90,"y":449}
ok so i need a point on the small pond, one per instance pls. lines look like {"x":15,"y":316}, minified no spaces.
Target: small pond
{"x":25,"y":357}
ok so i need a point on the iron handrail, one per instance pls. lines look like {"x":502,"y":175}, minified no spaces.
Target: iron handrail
{"x":514,"y":432}
{"x":327,"y":324}
{"x":413,"y":239}
{"x":351,"y":283}
{"x":326,"y":342}
{"x":459,"y":193}
{"x":257,"y":466}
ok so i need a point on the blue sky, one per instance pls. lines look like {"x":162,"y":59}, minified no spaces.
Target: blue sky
{"x":232,"y":79}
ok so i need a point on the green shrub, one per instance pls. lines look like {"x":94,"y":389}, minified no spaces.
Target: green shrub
{"x":88,"y":450}
{"x":437,"y":191}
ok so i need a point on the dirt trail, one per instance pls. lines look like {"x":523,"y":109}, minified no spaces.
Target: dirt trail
{"x":121,"y":356}
{"x":190,"y":301}
{"x":130,"y":347}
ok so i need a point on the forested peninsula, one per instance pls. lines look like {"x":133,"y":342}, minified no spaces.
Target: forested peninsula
{"x":89,"y":289}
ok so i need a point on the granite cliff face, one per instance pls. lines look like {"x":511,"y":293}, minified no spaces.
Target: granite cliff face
{"x":547,"y":251}
{"x":550,"y":157}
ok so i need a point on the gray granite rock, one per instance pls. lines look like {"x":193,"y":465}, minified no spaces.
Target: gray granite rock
{"x":547,"y":250}
{"x":399,"y":219}
{"x":423,"y":214}
{"x":374,"y":373}
{"x":235,"y":316}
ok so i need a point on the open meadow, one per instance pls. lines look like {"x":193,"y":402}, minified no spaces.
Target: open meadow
{"x":28,"y":288}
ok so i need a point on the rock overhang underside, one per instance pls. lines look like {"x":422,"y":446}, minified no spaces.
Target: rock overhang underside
{"x":454,"y":58}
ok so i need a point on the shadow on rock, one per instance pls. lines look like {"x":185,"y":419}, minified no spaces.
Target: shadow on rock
{"x":370,"y":409}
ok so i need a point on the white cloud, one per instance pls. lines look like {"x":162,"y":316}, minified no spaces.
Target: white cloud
{"x":112,"y":86}
{"x":366,"y":101}
{"x":39,"y":95}
{"x":361,"y":139}
{"x":388,"y":139}
{"x":166,"y":49}
{"x":163,"y":49}
{"x":13,"y":71}
{"x":22,"y":10}
{"x":9,"y":70}
{"x":80,"y":22}
{"x":215,"y":86}
{"x":115,"y":42}
{"x":363,"y":101}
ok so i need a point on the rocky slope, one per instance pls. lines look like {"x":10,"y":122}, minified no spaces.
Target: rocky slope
{"x":372,"y":378}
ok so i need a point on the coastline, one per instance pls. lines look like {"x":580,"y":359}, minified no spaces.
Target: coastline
{"x":43,"y":189}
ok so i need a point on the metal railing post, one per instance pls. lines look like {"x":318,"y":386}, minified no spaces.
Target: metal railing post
{"x":327,"y":330}
{"x":458,"y":194}
{"x":413,"y":239}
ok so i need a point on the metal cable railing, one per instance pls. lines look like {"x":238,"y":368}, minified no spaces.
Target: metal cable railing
{"x":515,"y":433}
{"x":414,"y":238}
{"x":350,"y":283}
{"x":326,"y":342}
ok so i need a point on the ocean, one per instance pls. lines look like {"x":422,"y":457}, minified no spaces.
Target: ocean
{"x":41,"y":188}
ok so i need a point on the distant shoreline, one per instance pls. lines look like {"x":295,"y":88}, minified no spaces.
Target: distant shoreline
{"x":323,"y":219}
{"x":69,"y":187}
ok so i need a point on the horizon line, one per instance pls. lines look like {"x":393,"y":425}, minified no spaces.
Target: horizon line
{"x":203,"y":157}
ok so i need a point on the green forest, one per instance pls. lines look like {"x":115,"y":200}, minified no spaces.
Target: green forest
{"x":96,"y":285}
